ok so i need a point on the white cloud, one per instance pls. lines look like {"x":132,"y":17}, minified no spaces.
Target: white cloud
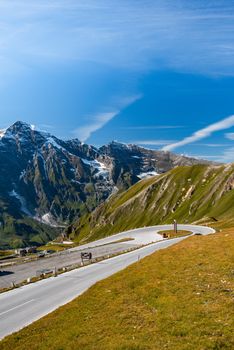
{"x":99,"y":120}
{"x":228,"y":155}
{"x":203,"y":133}
{"x":212,"y":144}
{"x":134,"y":34}
{"x":152,"y":142}
{"x":230,"y":136}
{"x":150,"y":127}
{"x":204,"y":156}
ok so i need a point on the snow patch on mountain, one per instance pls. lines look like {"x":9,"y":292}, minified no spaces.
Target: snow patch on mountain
{"x":22,"y":201}
{"x":23,"y":172}
{"x":147,"y":174}
{"x":76,"y":181}
{"x":48,"y":219}
{"x":101,"y":168}
{"x":92,"y":163}
{"x":51,"y":140}
{"x":6,"y":134}
{"x":2,"y":133}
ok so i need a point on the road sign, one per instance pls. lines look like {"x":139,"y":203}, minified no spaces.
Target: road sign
{"x":86,"y":256}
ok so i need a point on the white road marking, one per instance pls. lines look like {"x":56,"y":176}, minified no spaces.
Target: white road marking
{"x":16,"y":307}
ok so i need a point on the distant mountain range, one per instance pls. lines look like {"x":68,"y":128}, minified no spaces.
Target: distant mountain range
{"x":47,"y":183}
{"x":198,"y":194}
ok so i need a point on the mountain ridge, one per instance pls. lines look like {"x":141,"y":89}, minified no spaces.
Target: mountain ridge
{"x":198,"y":194}
{"x":46,"y":183}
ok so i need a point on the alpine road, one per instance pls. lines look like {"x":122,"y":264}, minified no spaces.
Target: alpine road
{"x":22,"y":306}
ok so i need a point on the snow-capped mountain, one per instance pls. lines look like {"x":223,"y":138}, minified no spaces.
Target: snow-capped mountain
{"x":46,"y":183}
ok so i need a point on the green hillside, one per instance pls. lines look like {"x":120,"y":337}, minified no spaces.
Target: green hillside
{"x":197,"y":194}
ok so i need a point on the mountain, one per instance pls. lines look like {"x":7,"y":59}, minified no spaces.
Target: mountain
{"x":131,"y":163}
{"x":46,"y":183}
{"x":195,"y":194}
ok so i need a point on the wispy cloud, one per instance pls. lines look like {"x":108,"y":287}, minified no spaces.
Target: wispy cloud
{"x":151,"y":142}
{"x":100,"y":119}
{"x":137,"y":34}
{"x":202,"y":133}
{"x":150,"y":127}
{"x":230,"y":136}
{"x":211,"y":144}
{"x":204,"y":156}
{"x":228,"y":155}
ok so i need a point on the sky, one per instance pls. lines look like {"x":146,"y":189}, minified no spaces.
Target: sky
{"x":157,"y":73}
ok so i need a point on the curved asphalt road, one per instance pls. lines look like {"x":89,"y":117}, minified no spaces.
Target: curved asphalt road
{"x":24,"y":305}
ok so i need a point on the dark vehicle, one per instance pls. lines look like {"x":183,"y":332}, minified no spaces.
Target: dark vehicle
{"x":41,"y":255}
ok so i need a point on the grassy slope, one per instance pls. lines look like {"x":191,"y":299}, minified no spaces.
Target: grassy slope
{"x":189,"y":194}
{"x":180,"y":298}
{"x":24,"y":232}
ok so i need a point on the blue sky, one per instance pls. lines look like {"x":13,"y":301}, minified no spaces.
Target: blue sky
{"x":159,"y":73}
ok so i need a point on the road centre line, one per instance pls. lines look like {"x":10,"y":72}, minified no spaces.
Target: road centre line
{"x":16,"y":307}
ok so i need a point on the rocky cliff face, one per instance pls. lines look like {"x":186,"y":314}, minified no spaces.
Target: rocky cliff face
{"x":46,"y":183}
{"x":131,"y":163}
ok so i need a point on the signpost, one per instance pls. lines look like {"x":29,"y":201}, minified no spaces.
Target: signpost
{"x":175,"y":227}
{"x":86,"y":256}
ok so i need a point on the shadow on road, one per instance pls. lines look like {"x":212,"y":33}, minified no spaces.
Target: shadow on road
{"x":5,"y":273}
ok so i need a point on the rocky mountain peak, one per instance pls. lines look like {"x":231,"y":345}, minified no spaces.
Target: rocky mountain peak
{"x":21,"y":133}
{"x":46,"y":181}
{"x":20,"y":126}
{"x":19,"y":129}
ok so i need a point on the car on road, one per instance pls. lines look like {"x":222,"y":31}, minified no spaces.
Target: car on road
{"x":41,"y":255}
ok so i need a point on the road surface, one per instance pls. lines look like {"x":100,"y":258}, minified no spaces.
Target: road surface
{"x":105,"y":246}
{"x":24,"y":305}
{"x":20,"y":272}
